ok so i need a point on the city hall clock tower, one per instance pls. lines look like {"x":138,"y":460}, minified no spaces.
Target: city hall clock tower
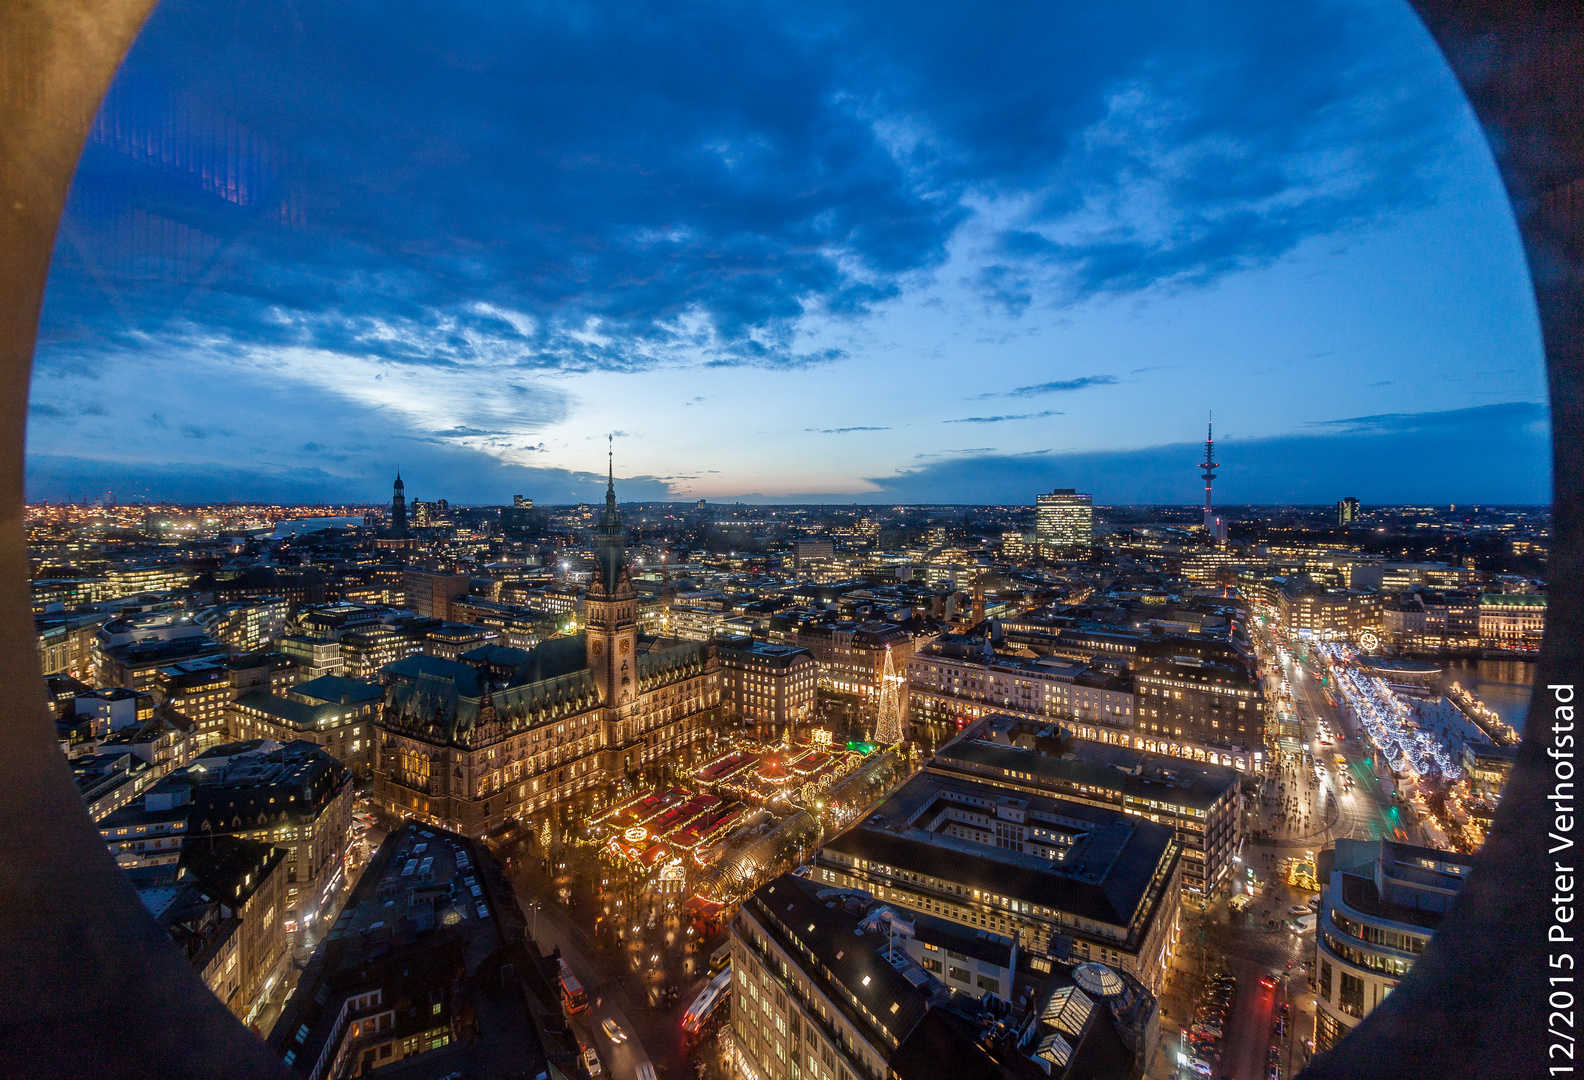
{"x":610,"y":611}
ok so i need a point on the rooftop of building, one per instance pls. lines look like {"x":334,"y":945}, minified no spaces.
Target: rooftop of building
{"x":1513,"y":600}
{"x":1009,"y":744}
{"x":1105,"y":874}
{"x":336,"y":690}
{"x":496,"y":656}
{"x":970,"y":649}
{"x":433,"y":693}
{"x":112,"y":693}
{"x":1490,"y":752}
{"x":161,"y":653}
{"x":303,"y":715}
{"x":240,"y":785}
{"x":429,"y":880}
{"x":763,"y":652}
{"x":859,"y":978}
{"x":1400,"y":883}
{"x":423,"y":928}
{"x":460,"y":632}
{"x":873,"y":633}
{"x":230,"y":868}
{"x":842,"y":940}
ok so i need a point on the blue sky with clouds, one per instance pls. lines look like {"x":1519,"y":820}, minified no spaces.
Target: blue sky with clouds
{"x":803,"y":251}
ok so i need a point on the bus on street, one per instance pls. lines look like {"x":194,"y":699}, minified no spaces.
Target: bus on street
{"x":709,"y":999}
{"x":573,"y":996}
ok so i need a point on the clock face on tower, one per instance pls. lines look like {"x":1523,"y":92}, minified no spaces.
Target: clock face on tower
{"x":625,"y":646}
{"x":599,"y":647}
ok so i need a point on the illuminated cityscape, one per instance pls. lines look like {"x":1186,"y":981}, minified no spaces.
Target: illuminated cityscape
{"x":640,"y":727}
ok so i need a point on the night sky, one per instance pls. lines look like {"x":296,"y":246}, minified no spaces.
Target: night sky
{"x":794,"y":252}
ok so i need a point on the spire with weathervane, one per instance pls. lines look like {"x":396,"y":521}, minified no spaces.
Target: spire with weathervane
{"x":610,"y":608}
{"x":612,"y":552}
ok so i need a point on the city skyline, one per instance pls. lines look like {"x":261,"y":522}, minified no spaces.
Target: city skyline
{"x":865,"y":267}
{"x":1152,"y":472}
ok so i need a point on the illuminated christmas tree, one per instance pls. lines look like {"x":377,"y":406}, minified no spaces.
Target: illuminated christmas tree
{"x":888,"y":725}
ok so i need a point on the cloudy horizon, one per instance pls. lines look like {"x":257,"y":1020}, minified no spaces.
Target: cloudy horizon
{"x":787,"y":253}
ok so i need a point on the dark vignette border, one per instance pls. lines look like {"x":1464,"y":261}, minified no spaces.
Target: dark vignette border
{"x":89,"y":987}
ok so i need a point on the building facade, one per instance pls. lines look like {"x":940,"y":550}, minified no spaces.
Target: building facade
{"x":469,"y":751}
{"x":295,"y":797}
{"x":1202,"y":802}
{"x":66,"y":645}
{"x":1203,"y":691}
{"x":224,"y":904}
{"x":954,"y":683}
{"x":1341,"y":612}
{"x":851,"y":655}
{"x":1065,"y":880}
{"x":1380,"y":904}
{"x":1512,"y":620}
{"x":335,"y":713}
{"x":246,"y":624}
{"x":773,"y":687}
{"x":1064,"y":519}
{"x":430,"y":593}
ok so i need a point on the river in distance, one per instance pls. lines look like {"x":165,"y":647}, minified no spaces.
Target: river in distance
{"x":301,"y":526}
{"x":1504,"y":685}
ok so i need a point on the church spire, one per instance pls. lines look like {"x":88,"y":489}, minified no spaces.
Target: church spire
{"x":610,"y":481}
{"x":611,"y":549}
{"x":399,"y":505}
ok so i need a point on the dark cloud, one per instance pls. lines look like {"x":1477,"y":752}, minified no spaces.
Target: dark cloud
{"x":1492,"y":453}
{"x":1003,"y":419}
{"x":372,"y":206}
{"x":1059,"y":386}
{"x":581,"y":186}
{"x":198,"y":431}
{"x":464,"y":432}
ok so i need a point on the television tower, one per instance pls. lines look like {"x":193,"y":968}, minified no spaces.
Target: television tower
{"x":1213,"y":525}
